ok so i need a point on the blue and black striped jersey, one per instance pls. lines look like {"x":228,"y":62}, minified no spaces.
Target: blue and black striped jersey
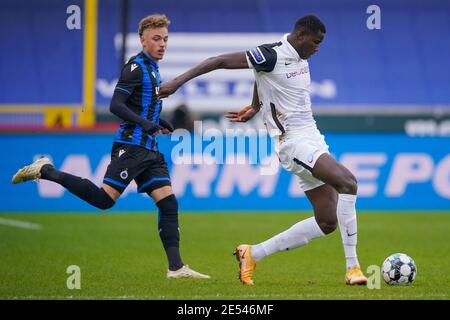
{"x":140,"y":80}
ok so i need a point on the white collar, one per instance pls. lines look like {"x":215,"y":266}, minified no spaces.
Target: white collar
{"x":291,"y":48}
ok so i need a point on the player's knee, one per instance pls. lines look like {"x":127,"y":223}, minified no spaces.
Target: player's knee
{"x":106,"y":206}
{"x":168,"y":207}
{"x":327,"y":225}
{"x":347,"y":184}
{"x":104,"y":201}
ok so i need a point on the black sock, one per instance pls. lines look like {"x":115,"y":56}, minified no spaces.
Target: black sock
{"x":168,"y":230}
{"x":82,"y":188}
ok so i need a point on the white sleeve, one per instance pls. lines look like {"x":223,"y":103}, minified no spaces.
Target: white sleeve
{"x":250,"y":64}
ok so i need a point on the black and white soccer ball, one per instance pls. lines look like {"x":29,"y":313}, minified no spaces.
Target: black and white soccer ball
{"x":399,"y":269}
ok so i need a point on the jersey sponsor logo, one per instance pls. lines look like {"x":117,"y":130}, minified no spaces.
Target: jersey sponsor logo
{"x":133,"y":66}
{"x":257,"y":55}
{"x":121,"y":152}
{"x":300,"y":72}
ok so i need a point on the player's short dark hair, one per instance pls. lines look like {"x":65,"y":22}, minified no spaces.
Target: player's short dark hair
{"x":310,"y":24}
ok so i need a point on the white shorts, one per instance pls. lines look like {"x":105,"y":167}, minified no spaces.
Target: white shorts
{"x":298,"y":154}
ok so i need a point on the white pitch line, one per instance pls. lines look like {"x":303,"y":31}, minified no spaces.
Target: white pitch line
{"x":20,"y":224}
{"x":242,"y":297}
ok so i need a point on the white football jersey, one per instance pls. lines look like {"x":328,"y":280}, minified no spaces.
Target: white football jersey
{"x":283,"y":82}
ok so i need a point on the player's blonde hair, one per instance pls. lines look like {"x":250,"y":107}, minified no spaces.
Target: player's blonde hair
{"x":153,"y":21}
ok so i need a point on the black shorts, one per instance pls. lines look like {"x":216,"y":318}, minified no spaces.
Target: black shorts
{"x":148,"y":168}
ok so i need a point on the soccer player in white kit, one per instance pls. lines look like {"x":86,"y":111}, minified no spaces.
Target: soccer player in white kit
{"x":282,"y":94}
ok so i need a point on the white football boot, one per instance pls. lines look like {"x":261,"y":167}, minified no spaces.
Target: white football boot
{"x":32,"y":171}
{"x":186,"y":272}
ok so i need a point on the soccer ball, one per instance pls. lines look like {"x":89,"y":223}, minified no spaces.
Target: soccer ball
{"x":399,"y":269}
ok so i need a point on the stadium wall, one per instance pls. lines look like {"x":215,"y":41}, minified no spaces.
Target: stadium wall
{"x":402,"y":64}
{"x":394,"y":172}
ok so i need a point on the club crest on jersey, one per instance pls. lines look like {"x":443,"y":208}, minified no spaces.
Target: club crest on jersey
{"x":124,"y":174}
{"x":257,"y":55}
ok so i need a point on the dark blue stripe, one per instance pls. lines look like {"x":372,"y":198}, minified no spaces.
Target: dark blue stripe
{"x":122,"y":89}
{"x":120,"y":184}
{"x":148,"y":145}
{"x":156,"y":111}
{"x":119,"y":133}
{"x":151,"y":181}
{"x":158,"y":102}
{"x":146,"y":99}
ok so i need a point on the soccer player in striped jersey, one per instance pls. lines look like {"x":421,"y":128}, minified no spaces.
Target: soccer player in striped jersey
{"x":134,"y":154}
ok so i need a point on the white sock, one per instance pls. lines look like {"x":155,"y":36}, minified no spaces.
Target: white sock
{"x":296,"y":236}
{"x":346,"y":214}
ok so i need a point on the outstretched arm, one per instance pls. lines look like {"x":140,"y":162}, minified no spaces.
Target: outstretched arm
{"x":236,"y":60}
{"x":247,"y":112}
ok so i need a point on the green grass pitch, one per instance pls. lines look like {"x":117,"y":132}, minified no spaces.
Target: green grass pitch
{"x":121,"y":257}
